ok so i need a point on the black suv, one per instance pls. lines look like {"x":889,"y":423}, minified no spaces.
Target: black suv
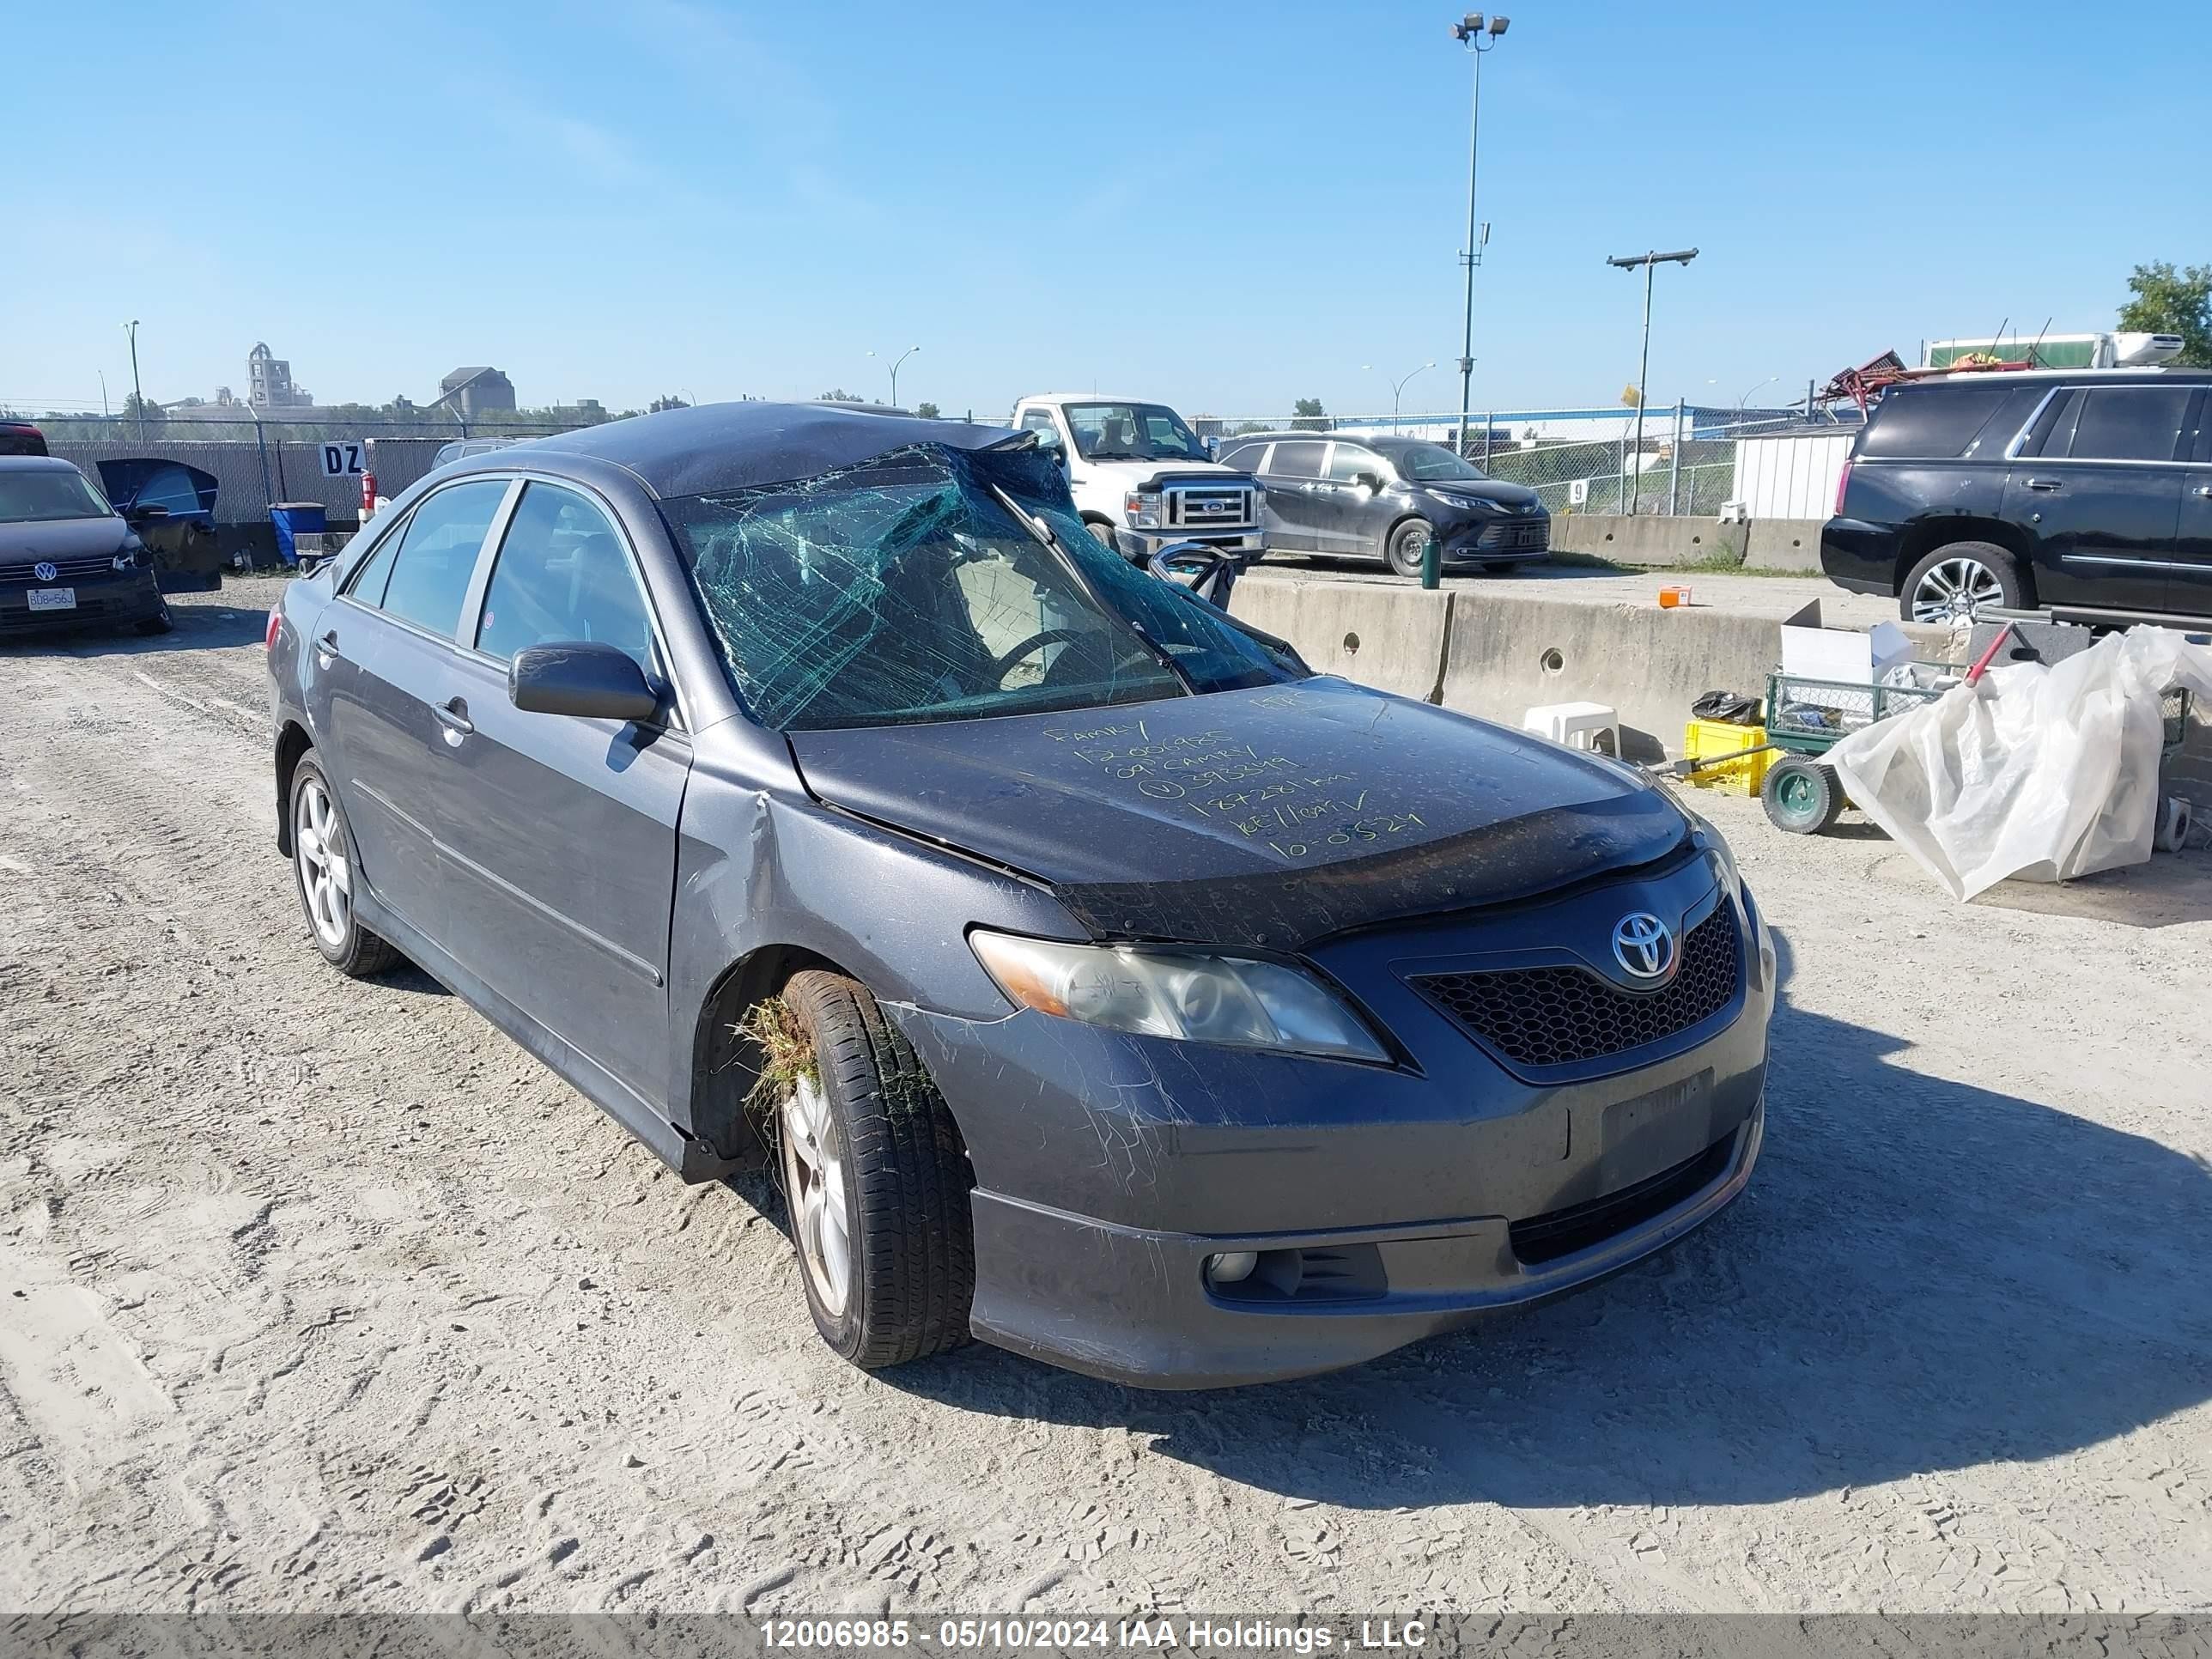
{"x":1378,"y":498}
{"x":2084,"y":492}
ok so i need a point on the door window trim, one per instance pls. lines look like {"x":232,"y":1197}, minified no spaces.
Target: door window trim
{"x":2014,"y":450}
{"x":488,"y":559}
{"x":469,"y":594}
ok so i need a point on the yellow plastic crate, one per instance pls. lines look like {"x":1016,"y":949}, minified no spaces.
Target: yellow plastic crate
{"x":1703,"y":739}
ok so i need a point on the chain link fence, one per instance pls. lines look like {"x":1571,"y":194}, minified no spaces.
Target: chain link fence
{"x":1686,"y":461}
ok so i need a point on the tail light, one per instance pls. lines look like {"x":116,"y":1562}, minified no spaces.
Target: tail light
{"x":1842,"y":483}
{"x":269,"y":634}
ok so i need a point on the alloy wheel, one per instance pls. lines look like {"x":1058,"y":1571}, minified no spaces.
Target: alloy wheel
{"x":814,"y":1187}
{"x":1956,"y":588}
{"x":325,"y":872}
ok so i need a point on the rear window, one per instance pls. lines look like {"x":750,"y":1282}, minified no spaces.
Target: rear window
{"x":1298,"y":459}
{"x":1948,"y":422}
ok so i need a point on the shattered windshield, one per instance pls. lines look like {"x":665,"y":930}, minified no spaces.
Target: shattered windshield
{"x":902,"y":590}
{"x":1429,"y":462}
{"x":1133,"y":432}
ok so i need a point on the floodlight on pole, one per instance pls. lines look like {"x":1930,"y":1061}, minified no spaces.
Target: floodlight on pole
{"x":1648,"y":261}
{"x":1478,"y":35}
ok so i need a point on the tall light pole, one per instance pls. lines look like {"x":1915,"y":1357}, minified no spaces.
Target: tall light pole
{"x":1478,"y":35}
{"x":1630,"y":262}
{"x":1746,"y":398}
{"x":137,"y":396}
{"x":901,"y":358}
{"x":1398,"y":388}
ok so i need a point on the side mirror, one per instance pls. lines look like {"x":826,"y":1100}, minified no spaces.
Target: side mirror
{"x":592,"y":680}
{"x":149,"y":514}
{"x":1372,"y":480}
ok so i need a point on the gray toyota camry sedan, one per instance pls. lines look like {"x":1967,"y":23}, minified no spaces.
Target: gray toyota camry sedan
{"x":811,"y":790}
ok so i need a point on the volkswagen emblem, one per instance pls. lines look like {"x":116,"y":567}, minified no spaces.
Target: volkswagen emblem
{"x":1643,"y":944}
{"x":45,"y":571}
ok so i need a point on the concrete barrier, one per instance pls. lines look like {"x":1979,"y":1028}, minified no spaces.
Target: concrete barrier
{"x":1784,"y":545}
{"x":1648,"y":540}
{"x":1389,"y":636}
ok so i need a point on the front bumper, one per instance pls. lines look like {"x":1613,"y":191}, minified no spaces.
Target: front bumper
{"x":105,"y":599}
{"x":1495,"y":540}
{"x":1388,"y":1204}
{"x":1142,"y":544}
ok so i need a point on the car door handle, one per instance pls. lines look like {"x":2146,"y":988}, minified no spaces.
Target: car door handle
{"x":327,"y":647}
{"x":2043,"y":483}
{"x":454,"y":715}
{"x":2205,"y":490}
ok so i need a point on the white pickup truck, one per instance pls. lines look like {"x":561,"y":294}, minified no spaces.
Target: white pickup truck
{"x":1140,"y":476}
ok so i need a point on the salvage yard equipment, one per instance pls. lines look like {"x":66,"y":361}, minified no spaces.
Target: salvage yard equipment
{"x":1807,"y":718}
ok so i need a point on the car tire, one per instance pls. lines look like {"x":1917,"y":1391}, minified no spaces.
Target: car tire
{"x":1101,"y":532}
{"x":1961,"y":578}
{"x":160,"y":623}
{"x":1801,"y":796}
{"x":1403,"y":550}
{"x":325,"y":879}
{"x":876,"y":1180}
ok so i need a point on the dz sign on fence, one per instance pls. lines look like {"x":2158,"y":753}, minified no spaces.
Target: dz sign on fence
{"x":343,"y":461}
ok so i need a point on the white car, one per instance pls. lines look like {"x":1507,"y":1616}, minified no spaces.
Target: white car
{"x":1141,"y":478}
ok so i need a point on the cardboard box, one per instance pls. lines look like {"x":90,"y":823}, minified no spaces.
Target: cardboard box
{"x":1810,"y":650}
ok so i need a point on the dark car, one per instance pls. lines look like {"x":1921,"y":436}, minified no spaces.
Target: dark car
{"x":21,"y":438}
{"x":809,"y":789}
{"x":1389,"y":498}
{"x":2087,"y":493}
{"x":172,"y":507}
{"x":67,"y":558}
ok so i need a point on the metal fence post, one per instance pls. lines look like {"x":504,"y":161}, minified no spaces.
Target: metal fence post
{"x":1489,"y":425}
{"x":1675,"y":466}
{"x":1620,"y":502}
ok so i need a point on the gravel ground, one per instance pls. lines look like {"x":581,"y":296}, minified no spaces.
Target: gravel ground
{"x":325,"y":1297}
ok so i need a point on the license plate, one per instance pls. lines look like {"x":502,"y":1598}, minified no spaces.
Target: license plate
{"x":52,"y":599}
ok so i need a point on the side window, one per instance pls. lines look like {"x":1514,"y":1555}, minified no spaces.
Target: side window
{"x":1037,"y":420}
{"x":171,"y":488}
{"x":2130,"y":422}
{"x":367,"y":584}
{"x":1298,"y":459}
{"x":1246,"y":457}
{"x":437,"y":555}
{"x":2053,"y":432}
{"x":1345,"y":459}
{"x":563,"y":575}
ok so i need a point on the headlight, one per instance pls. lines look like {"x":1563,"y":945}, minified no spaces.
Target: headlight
{"x":128,"y":558}
{"x":1142,"y":510}
{"x":1236,"y":1000}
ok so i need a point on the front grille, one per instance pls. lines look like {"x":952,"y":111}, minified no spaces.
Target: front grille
{"x":1516,"y":536}
{"x":1565,"y":1016}
{"x":1200,"y":508}
{"x":65,"y":570}
{"x":1556,"y":1233}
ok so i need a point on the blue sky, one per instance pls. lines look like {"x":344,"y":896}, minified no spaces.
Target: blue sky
{"x":1228,"y":206}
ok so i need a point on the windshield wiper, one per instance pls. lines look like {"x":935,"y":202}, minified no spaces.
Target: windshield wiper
{"x":1046,"y":535}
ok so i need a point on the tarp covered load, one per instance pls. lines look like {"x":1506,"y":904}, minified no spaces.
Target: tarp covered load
{"x":2036,"y":772}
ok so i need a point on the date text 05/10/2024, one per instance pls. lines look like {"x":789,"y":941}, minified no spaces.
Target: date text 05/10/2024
{"x":1107,"y":1636}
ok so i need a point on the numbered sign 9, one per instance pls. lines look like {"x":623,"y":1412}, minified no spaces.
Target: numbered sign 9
{"x":344,"y":461}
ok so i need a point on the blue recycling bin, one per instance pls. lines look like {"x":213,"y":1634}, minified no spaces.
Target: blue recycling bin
{"x":294,"y":519}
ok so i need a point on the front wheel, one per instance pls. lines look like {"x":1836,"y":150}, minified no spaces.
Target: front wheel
{"x":1102,"y":534}
{"x":1960,"y":581}
{"x":875,"y":1180}
{"x":1408,"y":541}
{"x":1801,"y":796}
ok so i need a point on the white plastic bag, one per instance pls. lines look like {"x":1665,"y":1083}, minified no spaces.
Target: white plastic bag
{"x":2040,"y":773}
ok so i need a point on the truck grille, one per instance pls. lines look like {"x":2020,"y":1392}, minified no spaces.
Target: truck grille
{"x":1208,"y":507}
{"x":65,"y":570}
{"x":1565,"y":1016}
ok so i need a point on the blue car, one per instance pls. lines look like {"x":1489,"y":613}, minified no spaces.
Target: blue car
{"x":809,"y":788}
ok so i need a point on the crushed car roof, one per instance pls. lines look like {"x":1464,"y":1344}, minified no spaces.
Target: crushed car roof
{"x":718,"y":446}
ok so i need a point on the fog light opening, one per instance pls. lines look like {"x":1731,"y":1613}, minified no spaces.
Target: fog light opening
{"x":1231,"y":1267}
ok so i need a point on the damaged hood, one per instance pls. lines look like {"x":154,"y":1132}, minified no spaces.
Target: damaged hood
{"x":1268,"y":817}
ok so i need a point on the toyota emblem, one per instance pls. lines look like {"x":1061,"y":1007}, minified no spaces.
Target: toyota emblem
{"x":45,"y":571}
{"x":1643,"y":944}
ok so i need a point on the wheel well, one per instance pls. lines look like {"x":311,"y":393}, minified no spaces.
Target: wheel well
{"x":725,"y":1062}
{"x":291,"y":743}
{"x":1924,"y":538}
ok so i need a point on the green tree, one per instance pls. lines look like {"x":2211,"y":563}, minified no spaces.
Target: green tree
{"x":671,"y":401}
{"x":135,"y":408}
{"x":837,"y":394}
{"x":2171,"y":301}
{"x":928,"y":412}
{"x":1311,"y":416}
